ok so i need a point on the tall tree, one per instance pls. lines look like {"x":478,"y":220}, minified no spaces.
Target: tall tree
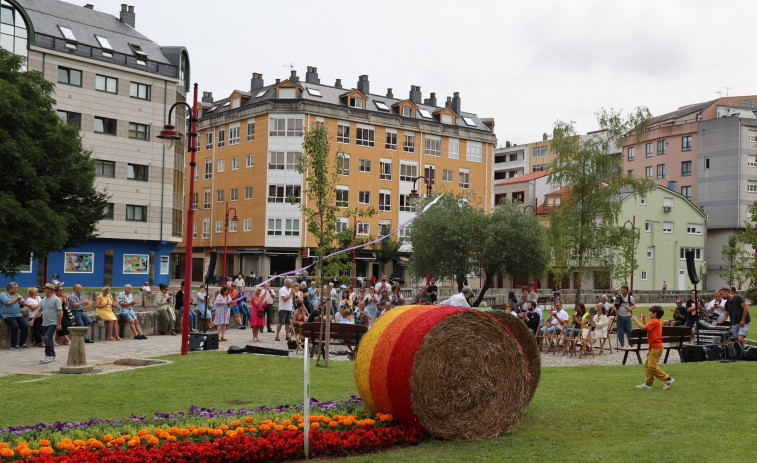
{"x":734,"y":260}
{"x":584,"y":229}
{"x":48,"y":200}
{"x":748,"y":241}
{"x":386,"y":250}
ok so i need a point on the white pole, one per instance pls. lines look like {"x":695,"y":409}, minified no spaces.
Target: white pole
{"x":306,"y":407}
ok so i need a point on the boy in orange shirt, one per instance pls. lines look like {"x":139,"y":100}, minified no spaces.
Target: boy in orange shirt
{"x":654,"y":334}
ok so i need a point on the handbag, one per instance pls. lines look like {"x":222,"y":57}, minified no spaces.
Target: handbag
{"x":261,"y":312}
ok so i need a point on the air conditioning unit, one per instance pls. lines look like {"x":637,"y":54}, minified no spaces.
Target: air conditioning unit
{"x":667,"y":208}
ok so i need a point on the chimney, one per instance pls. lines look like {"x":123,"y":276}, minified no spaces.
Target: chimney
{"x":338,"y":83}
{"x":89,"y":6}
{"x":363,"y":85}
{"x":127,"y":15}
{"x":449,"y":102}
{"x":311,"y":76}
{"x":278,"y":81}
{"x":293,"y":76}
{"x":389,"y":93}
{"x":256,"y":82}
{"x":415,"y":94}
{"x":207,"y":97}
{"x":507,"y":144}
{"x":456,"y":103}
{"x":432,"y":99}
{"x":545,"y":137}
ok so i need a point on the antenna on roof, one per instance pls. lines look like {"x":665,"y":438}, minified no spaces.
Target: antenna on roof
{"x":290,"y":66}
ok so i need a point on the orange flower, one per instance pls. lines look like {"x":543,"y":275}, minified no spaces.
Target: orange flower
{"x":46,"y":450}
{"x":278,"y":427}
{"x":25,"y":452}
{"x":252,"y":429}
{"x":35,"y":452}
{"x":236,"y":424}
{"x":171,"y":438}
{"x":231,"y":433}
{"x":3,"y":445}
{"x":6,"y":452}
{"x":239,"y":430}
{"x":248,"y":420}
{"x":183,"y":432}
{"x":22,"y":444}
{"x":107,"y":438}
{"x":120,"y":441}
{"x":142,"y":432}
{"x":296,"y":416}
{"x":315,"y":425}
{"x":301,"y":425}
{"x":333,"y":424}
{"x":173,"y":430}
{"x":264,"y":427}
{"x":291,"y":427}
{"x":286,"y":423}
{"x":157,"y":431}
{"x":223,"y":427}
{"x":79,"y":443}
{"x":153,"y":440}
{"x":44,"y":443}
{"x":134,"y":442}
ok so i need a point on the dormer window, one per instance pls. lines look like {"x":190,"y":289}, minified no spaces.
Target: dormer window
{"x":287,"y":93}
{"x":425,"y":113}
{"x":261,"y":93}
{"x":469,"y":121}
{"x":407,"y":111}
{"x":314,"y":92}
{"x":141,"y":56}
{"x":447,"y":119}
{"x":105,"y":45}
{"x":356,"y":102}
{"x":235,"y":102}
{"x":67,"y":33}
{"x":381,"y":105}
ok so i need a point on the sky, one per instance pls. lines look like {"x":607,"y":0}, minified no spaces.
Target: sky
{"x":527,"y":64}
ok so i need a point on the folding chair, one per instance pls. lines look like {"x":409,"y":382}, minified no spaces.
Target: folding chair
{"x":587,"y":343}
{"x":569,"y":343}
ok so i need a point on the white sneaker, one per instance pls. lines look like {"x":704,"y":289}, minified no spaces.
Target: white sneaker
{"x":644,"y":386}
{"x":47,"y":359}
{"x":668,"y":383}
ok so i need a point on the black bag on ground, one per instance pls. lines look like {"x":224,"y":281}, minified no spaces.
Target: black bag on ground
{"x":236,"y":350}
{"x":735,"y":351}
{"x":750,"y":353}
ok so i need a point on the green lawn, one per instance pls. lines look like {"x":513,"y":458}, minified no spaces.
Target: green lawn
{"x":577,"y":414}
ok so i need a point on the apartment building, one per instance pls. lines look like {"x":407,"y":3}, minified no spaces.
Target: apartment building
{"x":510,"y":161}
{"x":250,"y":141}
{"x":115,"y":85}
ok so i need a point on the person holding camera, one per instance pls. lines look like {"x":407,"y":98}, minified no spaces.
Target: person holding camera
{"x":679,"y":315}
{"x":624,"y":305}
{"x":166,"y":316}
{"x":694,"y":305}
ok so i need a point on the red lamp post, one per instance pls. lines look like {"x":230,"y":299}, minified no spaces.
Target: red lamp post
{"x":225,"y":232}
{"x":169,"y":135}
{"x":354,"y":238}
{"x":414,"y":194}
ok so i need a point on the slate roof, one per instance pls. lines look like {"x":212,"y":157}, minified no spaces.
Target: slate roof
{"x":686,"y":110}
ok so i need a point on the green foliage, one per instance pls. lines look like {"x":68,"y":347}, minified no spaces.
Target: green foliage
{"x":583,"y":231}
{"x":734,"y":260}
{"x":387,"y":249}
{"x":624,"y":257}
{"x":48,"y":201}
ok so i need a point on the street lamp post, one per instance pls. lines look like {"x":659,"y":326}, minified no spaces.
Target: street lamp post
{"x":354,"y":255}
{"x":414,"y":194}
{"x":225,"y":233}
{"x":169,"y":135}
{"x":633,"y":244}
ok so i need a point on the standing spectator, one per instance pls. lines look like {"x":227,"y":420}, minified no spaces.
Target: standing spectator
{"x":305,"y":295}
{"x":223,"y":312}
{"x":76,"y":303}
{"x":257,"y":315}
{"x":233,"y":305}
{"x":52,"y":314}
{"x":625,"y":305}
{"x":524,"y":298}
{"x":433,"y":291}
{"x":68,"y":318}
{"x":738,"y":311}
{"x":373,"y":281}
{"x":371,"y":304}
{"x":239,"y":281}
{"x":396,"y":296}
{"x":556,"y":292}
{"x":511,"y":299}
{"x":243,"y":309}
{"x":654,"y":334}
{"x":105,"y":310}
{"x":35,"y":316}
{"x":285,"y":307}
{"x":166,"y":316}
{"x":385,"y":297}
{"x":664,"y":285}
{"x":382,"y":285}
{"x":334,"y":297}
{"x":269,"y":309}
{"x":126,"y":302}
{"x":55,"y":280}
{"x":202,"y":307}
{"x":179,"y":305}
{"x":146,"y":287}
{"x":313,"y":295}
{"x":693,"y":307}
{"x":10,"y":311}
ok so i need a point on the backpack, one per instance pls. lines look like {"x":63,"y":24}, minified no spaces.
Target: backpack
{"x":735,"y":351}
{"x":750,"y":353}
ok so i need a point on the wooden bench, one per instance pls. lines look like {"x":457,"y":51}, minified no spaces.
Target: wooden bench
{"x":673,"y":337}
{"x":342,"y":332}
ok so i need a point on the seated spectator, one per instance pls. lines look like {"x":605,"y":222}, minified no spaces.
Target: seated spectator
{"x":387,"y":307}
{"x":578,"y":320}
{"x":346,"y":313}
{"x":126,"y":303}
{"x":531,"y":318}
{"x":146,"y":287}
{"x":556,"y":321}
{"x":422,"y":298}
{"x":601,"y":324}
{"x":396,"y":296}
{"x":299,"y":318}
{"x":679,"y":315}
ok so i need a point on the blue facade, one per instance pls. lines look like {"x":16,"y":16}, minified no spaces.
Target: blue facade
{"x":86,"y":265}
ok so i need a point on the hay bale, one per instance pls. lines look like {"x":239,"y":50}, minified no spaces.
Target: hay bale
{"x":527,"y":341}
{"x":468,"y":378}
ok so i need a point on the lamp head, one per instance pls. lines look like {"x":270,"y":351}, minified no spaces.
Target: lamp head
{"x":169,"y":135}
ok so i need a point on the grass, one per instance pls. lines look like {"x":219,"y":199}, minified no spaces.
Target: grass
{"x":578,"y":414}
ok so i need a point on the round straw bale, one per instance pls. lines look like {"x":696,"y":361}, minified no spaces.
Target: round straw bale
{"x":468,"y":379}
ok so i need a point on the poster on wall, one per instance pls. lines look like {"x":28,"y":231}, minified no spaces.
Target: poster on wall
{"x":79,"y":262}
{"x":164,"y":265}
{"x":136,"y":263}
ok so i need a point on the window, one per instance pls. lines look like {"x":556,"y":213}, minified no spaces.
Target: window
{"x":69,"y":118}
{"x":342,"y":196}
{"x":364,"y":197}
{"x":386,"y":169}
{"x":195,"y":200}
{"x":751,"y":162}
{"x":136,"y":213}
{"x":343,"y":132}
{"x":539,"y":167}
{"x":447,"y":175}
{"x":686,"y":169}
{"x":206,"y":227}
{"x":539,"y":151}
{"x":391,"y":139}
{"x":447,"y":119}
{"x":365,"y":165}
{"x":219,"y":226}
{"x":433,"y":146}
{"x":404,"y":233}
{"x":409,"y":143}
{"x":209,"y":140}
{"x":694,"y":229}
{"x":105,"y":125}
{"x":281,"y":193}
{"x":277,"y":125}
{"x":648,"y":226}
{"x":643,"y":275}
{"x":363,"y":229}
{"x":752,"y":103}
{"x":197,"y":174}
{"x":407,"y":111}
{"x":291,"y":227}
{"x":206,"y":198}
{"x":752,"y":138}
{"x":234,"y":194}
{"x":469,"y":121}
{"x":219,"y":196}
{"x":247,"y":225}
{"x":104,"y":43}
{"x":69,"y":76}
{"x":660,"y":170}
{"x":295,"y":126}
{"x":454,"y":148}
{"x":644,"y":201}
{"x":106,"y":84}
{"x":650,"y":252}
{"x":631,"y":153}
{"x":406,"y":203}
{"x":464,"y":178}
{"x":519,"y":197}
{"x":341,"y":225}
{"x":235,"y":102}
{"x":356,"y":103}
{"x":381,"y":105}
{"x":751,"y":187}
{"x":235,"y":163}
{"x":221,"y":166}
{"x":385,"y":200}
{"x":385,"y":227}
{"x":344,"y":163}
{"x":234,"y":134}
{"x":697,"y":253}
{"x":424,"y":113}
{"x":274,"y":227}
{"x":139,"y":53}
{"x":648,"y":171}
{"x":649,"y":150}
{"x":105,"y":168}
{"x":139,"y":131}
{"x":194,"y":231}
{"x":251,"y":130}
{"x":314,"y":92}
{"x":429,"y":171}
{"x":686,"y":192}
{"x":365,"y":135}
{"x":288,"y":92}
{"x":248,"y":192}
{"x":261,"y":93}
{"x":141,"y":91}
{"x":473,"y":151}
{"x":630,"y":172}
{"x":673,"y":186}
{"x":233,"y":226}
{"x":686,"y":143}
{"x":208,"y":168}
{"x":282,"y":160}
{"x":661,"y":147}
{"x":136,"y":172}
{"x":408,"y":172}
{"x":249,"y":160}
{"x":221,"y":138}
{"x":667,"y":227}
{"x":706,"y":163}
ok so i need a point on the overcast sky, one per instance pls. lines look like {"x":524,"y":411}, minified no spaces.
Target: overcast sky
{"x":524,"y":63}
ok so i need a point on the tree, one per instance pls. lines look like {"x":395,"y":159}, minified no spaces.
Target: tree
{"x":48,"y":200}
{"x":624,"y":259}
{"x":735,"y":261}
{"x":748,"y":240}
{"x":584,"y":229}
{"x":509,"y":242}
{"x":386,"y":250}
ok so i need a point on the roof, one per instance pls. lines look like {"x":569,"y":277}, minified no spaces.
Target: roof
{"x":332,"y":95}
{"x":85,"y":23}
{"x":565,"y":194}
{"x":683,"y":111}
{"x":523,"y":178}
{"x":626,"y":193}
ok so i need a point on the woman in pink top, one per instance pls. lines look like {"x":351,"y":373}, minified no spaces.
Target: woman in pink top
{"x":257,"y":302}
{"x":223,"y":312}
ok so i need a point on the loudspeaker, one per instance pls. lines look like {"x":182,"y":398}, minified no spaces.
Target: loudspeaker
{"x":692,"y":353}
{"x":266,"y":350}
{"x":712,"y":352}
{"x":203,"y":341}
{"x":690,"y":267}
{"x":211,"y":267}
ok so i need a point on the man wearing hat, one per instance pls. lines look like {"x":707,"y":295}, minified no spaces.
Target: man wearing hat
{"x":52,"y":315}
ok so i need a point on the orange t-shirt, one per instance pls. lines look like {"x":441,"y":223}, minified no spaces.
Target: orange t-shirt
{"x":654,"y":333}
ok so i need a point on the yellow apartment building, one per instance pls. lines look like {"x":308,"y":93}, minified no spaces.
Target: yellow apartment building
{"x":249,"y":142}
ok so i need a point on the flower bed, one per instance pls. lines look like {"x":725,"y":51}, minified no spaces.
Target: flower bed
{"x":206,"y":435}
